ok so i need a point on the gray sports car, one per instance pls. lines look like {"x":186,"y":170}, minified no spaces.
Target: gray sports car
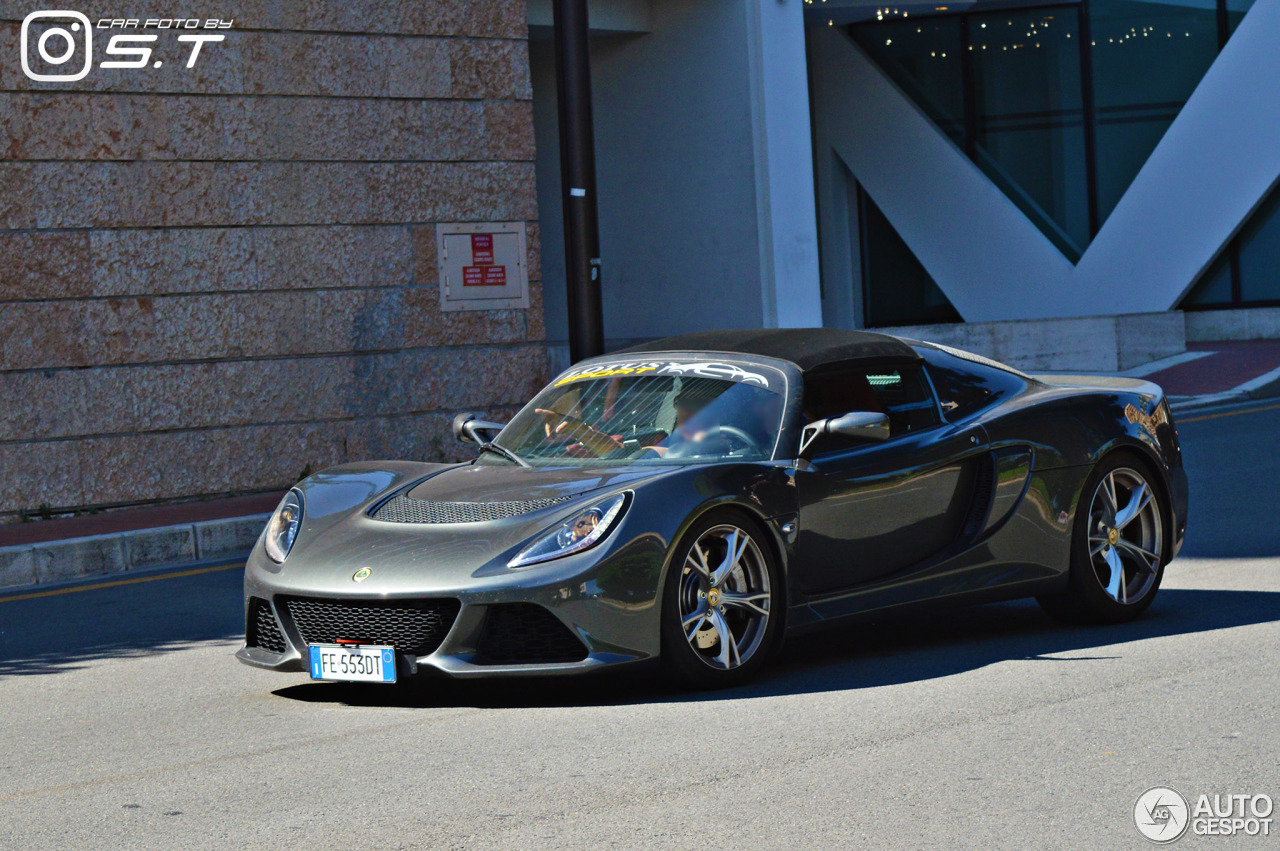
{"x":697,"y":499}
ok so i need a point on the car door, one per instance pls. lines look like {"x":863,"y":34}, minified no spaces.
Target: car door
{"x":869,"y":510}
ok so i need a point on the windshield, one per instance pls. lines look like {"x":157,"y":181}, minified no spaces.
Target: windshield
{"x":657,"y":419}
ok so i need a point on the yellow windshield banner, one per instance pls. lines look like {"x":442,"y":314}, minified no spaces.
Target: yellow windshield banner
{"x":606,"y":372}
{"x":699,"y":369}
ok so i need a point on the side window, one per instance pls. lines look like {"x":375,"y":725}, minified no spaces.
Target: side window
{"x":959,"y":394}
{"x":968,"y":386}
{"x":901,"y":391}
{"x":905,"y":396}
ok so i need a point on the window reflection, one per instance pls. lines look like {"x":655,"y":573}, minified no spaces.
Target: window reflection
{"x":1259,"y":254}
{"x":1147,"y":59}
{"x":1005,"y":86}
{"x":1214,"y":287}
{"x":923,"y":57}
{"x":1029,"y":116}
{"x":1235,"y":10}
{"x":897,"y":289}
{"x":1247,"y":272}
{"x":1060,"y":105}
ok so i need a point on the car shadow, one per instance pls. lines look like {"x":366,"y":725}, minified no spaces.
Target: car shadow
{"x":866,"y":655}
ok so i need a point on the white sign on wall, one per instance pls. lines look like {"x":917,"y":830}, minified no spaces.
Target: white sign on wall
{"x":482,"y":266}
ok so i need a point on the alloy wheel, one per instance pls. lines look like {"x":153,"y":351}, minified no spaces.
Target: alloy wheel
{"x":1126,"y":535}
{"x":724,"y":597}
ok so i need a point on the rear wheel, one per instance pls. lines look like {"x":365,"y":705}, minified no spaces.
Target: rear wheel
{"x":721,"y":606}
{"x":1119,"y":545}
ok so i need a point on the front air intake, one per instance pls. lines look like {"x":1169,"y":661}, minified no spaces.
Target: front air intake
{"x":261,"y":629}
{"x":525,"y":634}
{"x":416,"y":627}
{"x":403,"y":509}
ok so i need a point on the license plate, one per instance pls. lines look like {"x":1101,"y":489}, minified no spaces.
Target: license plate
{"x":353,"y":663}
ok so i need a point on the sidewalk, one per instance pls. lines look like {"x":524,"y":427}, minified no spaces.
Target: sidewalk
{"x":59,"y":550}
{"x":119,"y":541}
{"x":1217,"y":373}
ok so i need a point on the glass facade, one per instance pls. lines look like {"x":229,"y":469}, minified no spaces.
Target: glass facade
{"x":1216,"y":287}
{"x":1234,"y":13}
{"x":1028,"y":123}
{"x":1258,"y":255}
{"x":1146,"y":59}
{"x":923,"y":56}
{"x":1060,"y":105}
{"x":1005,"y":87}
{"x":1247,"y":272}
{"x":897,"y":289}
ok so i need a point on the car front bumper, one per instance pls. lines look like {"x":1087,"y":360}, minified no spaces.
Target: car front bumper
{"x":614,"y":622}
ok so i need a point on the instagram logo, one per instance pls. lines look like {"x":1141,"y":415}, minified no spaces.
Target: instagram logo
{"x":56,"y":44}
{"x":57,"y":37}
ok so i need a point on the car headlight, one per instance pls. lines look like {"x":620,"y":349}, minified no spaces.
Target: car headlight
{"x":283,"y":527}
{"x":581,"y":531}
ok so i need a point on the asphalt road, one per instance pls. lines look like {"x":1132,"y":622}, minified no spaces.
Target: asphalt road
{"x":127,"y":724}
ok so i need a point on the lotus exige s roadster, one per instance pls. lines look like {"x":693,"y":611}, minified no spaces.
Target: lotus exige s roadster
{"x":700,"y":498}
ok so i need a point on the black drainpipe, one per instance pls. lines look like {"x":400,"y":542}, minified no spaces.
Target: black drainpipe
{"x":578,"y":180}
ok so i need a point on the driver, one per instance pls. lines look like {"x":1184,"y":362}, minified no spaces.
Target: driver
{"x":763,"y":413}
{"x":688,"y":402}
{"x":753,"y":418}
{"x":748,"y":416}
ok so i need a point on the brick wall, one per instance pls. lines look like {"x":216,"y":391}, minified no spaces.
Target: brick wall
{"x":211,"y":279}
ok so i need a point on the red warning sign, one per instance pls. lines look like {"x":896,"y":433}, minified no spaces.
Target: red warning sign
{"x":482,"y":249}
{"x":484,"y":276}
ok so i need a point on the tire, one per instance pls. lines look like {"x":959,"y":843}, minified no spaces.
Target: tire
{"x":1108,"y":531}
{"x":706,"y":593}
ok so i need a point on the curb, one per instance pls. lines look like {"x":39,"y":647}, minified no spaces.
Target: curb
{"x":122,"y":552}
{"x":1266,"y":386}
{"x":1186,"y":404}
{"x":1183,"y":404}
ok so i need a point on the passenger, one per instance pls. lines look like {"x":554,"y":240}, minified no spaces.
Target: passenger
{"x":563,"y":424}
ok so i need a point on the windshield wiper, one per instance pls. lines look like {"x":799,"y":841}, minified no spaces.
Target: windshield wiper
{"x":504,"y":452}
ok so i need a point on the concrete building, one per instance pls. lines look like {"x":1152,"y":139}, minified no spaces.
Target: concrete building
{"x":213,"y":279}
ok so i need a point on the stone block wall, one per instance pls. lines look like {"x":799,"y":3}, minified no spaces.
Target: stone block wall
{"x":214,"y":278}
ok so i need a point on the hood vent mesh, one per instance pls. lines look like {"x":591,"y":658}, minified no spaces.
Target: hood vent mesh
{"x":402,"y":509}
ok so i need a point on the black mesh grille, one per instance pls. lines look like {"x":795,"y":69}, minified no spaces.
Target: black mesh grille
{"x":261,"y":629}
{"x":525,"y":634}
{"x":410,"y":626}
{"x":402,"y":509}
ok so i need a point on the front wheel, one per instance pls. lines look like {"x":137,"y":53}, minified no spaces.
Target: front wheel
{"x":1119,"y":546}
{"x":722,"y":606}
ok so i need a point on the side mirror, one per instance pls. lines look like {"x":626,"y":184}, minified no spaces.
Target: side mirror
{"x":468,"y":429}
{"x":857,"y":425}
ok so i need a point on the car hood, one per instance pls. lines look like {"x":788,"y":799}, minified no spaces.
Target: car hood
{"x":417,"y":557}
{"x":509,"y":483}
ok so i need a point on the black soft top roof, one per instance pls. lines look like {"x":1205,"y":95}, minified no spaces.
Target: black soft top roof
{"x":807,"y":348}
